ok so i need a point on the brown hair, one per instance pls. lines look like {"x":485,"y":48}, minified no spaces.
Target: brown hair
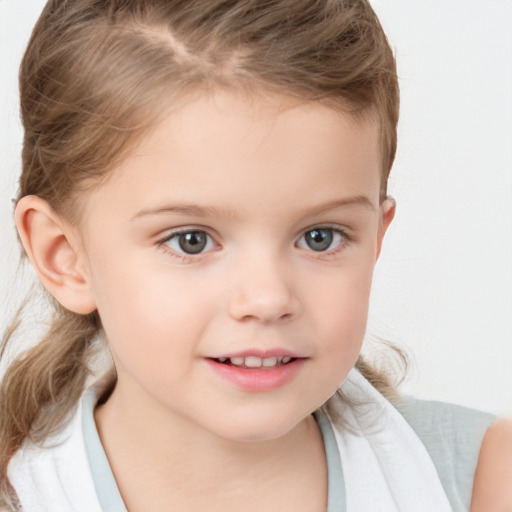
{"x":98,"y":73}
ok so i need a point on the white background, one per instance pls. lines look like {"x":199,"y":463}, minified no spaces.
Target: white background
{"x":443,"y":286}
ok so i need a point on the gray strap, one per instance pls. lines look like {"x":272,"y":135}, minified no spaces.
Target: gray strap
{"x":453,"y":436}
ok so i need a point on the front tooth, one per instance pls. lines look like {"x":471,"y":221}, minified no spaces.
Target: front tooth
{"x":286,"y":359}
{"x":269,"y":361}
{"x":253,"y":362}
{"x":237,"y":361}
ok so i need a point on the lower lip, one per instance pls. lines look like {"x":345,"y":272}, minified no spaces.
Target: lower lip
{"x":257,"y":379}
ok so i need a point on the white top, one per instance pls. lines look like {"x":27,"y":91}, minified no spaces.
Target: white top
{"x":377,"y":449}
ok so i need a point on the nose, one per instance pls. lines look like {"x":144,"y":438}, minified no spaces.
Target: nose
{"x":263,"y":292}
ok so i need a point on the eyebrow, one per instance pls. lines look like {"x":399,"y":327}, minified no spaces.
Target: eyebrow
{"x":346,"y":202}
{"x":195,"y":210}
{"x":192,"y":210}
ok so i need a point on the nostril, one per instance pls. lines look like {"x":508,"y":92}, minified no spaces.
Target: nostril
{"x":263,"y":302}
{"x":276,"y":317}
{"x":265,"y":318}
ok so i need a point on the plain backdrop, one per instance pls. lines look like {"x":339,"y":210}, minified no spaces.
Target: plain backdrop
{"x":443,"y":285}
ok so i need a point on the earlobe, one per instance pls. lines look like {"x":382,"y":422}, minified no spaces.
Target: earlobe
{"x":54,"y":251}
{"x":387,"y":214}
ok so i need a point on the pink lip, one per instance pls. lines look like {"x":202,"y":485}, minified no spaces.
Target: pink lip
{"x":258,"y":379}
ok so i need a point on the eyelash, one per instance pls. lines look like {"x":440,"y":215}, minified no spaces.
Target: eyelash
{"x":343,"y":240}
{"x":175,"y":235}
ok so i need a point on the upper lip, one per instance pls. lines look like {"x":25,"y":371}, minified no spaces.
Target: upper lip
{"x":262,"y":353}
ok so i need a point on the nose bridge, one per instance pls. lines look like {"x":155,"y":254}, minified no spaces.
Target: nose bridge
{"x":261,"y":289}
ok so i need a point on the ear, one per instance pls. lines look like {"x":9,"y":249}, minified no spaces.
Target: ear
{"x":55,"y":251}
{"x":387,"y":214}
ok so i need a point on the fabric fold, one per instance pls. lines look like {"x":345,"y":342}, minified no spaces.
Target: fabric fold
{"x":386,"y":466}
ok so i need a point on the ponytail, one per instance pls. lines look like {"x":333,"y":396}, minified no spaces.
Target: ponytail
{"x":41,"y":386}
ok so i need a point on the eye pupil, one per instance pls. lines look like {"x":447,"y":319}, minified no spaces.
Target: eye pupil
{"x":193,"y":242}
{"x":319,"y":239}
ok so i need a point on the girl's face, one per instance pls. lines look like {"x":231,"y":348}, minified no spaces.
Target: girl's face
{"x":230,"y":258}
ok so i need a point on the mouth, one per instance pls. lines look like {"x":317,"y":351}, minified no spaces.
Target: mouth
{"x":254,"y":362}
{"x":258,"y":372}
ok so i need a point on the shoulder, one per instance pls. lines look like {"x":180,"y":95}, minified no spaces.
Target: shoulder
{"x":445,"y":426}
{"x":493,"y":477}
{"x":453,"y":436}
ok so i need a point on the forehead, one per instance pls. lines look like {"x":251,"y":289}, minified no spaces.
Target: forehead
{"x":219,"y":145}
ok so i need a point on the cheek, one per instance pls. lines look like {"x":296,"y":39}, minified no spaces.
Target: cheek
{"x":342,"y":314}
{"x":151,"y":315}
{"x":339,"y":327}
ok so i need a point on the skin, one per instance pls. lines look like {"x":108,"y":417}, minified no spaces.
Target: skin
{"x":256,"y":175}
{"x":492,"y":490}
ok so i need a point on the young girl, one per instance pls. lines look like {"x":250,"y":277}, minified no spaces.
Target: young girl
{"x":204,"y":193}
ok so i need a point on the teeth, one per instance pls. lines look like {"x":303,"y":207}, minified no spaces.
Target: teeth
{"x":252,"y":362}
{"x":255,"y":362}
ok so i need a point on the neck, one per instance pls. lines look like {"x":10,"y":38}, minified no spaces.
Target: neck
{"x":184,"y":464}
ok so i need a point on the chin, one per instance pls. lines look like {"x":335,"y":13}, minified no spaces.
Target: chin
{"x":259,"y":428}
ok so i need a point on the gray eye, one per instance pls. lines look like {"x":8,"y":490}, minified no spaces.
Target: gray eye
{"x":193,"y":242}
{"x":190,"y":242}
{"x":321,"y":239}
